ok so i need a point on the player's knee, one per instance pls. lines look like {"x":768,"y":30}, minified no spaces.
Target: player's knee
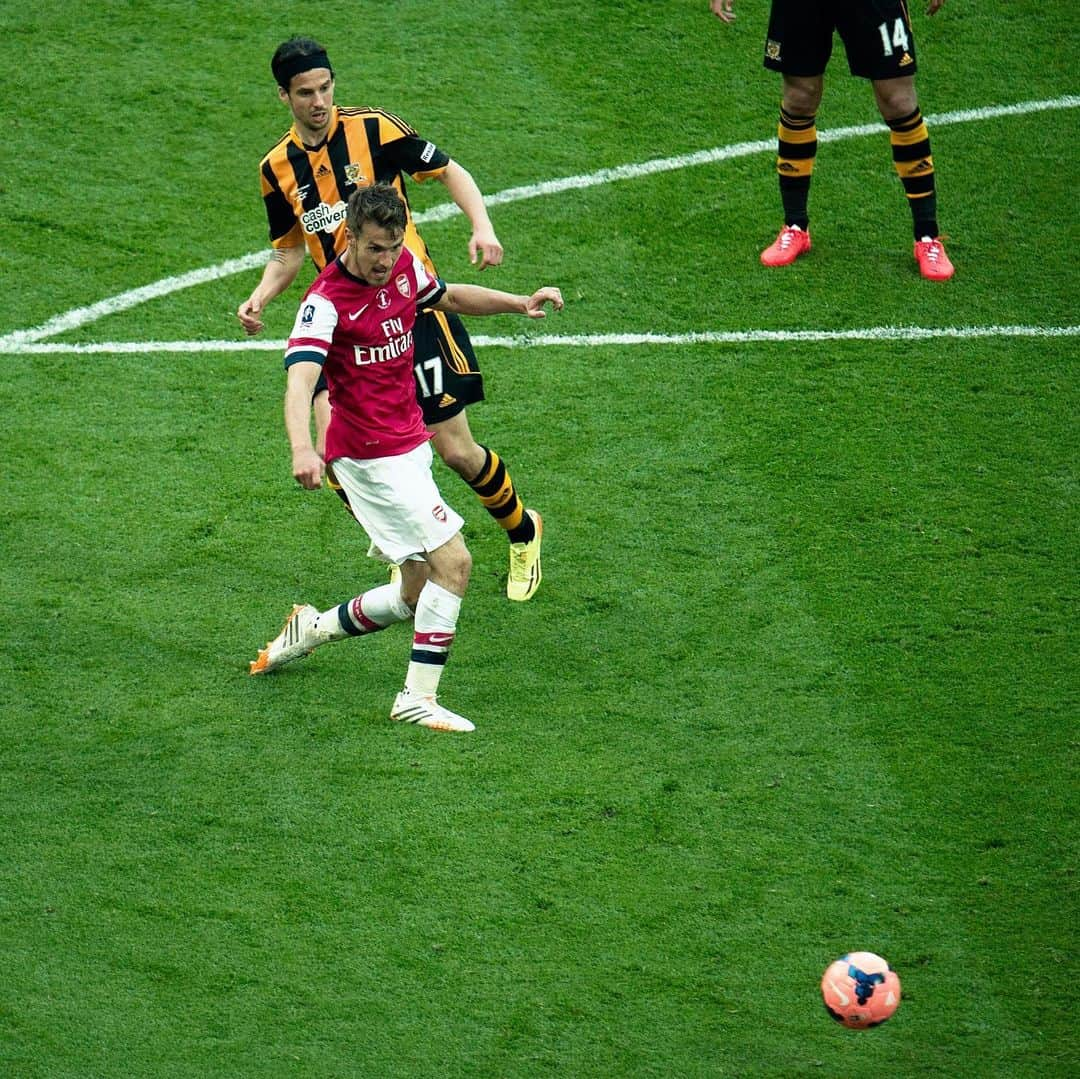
{"x":462,"y":456}
{"x":451,"y":565}
{"x":455,"y":569}
{"x":802,"y":96}
{"x":896,"y":98}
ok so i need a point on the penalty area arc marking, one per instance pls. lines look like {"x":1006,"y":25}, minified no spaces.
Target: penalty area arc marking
{"x":597,"y":340}
{"x":82,"y":316}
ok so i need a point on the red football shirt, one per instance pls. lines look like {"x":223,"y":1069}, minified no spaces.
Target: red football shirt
{"x":362,"y":335}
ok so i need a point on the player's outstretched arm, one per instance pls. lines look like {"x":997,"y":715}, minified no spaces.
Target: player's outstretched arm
{"x":477,"y":300}
{"x":724,"y":9}
{"x":280,"y":272}
{"x":483,"y":244}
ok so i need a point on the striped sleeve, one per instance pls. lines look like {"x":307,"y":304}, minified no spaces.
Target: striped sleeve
{"x":284,"y":225}
{"x":429,"y":290}
{"x":406,"y":151}
{"x":312,"y":331}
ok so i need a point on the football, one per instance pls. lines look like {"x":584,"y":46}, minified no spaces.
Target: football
{"x":860,"y":990}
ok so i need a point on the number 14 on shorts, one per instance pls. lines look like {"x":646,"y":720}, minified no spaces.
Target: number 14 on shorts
{"x":899,"y":39}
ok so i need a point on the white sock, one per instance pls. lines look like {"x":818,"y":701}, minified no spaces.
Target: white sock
{"x":383,"y":606}
{"x":434,"y":627}
{"x":368,"y":613}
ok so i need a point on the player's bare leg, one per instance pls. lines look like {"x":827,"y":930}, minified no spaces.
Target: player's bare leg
{"x":802,"y":93}
{"x":484,"y":471}
{"x":454,"y":443}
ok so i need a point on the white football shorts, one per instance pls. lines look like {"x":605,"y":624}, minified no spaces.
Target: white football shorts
{"x":397,"y":502}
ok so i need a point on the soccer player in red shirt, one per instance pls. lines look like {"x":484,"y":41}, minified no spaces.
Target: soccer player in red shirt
{"x":355,"y":325}
{"x":306,"y":178}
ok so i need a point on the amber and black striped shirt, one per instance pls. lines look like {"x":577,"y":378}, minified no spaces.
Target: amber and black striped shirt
{"x":305,"y":189}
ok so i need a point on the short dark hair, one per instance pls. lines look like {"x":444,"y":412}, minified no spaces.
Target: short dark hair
{"x":379,"y":204}
{"x":296,"y":55}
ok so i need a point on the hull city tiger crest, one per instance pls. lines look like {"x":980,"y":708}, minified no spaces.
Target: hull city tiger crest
{"x":353,"y":175}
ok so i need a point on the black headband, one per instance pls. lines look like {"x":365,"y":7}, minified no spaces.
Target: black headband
{"x":285,"y":71}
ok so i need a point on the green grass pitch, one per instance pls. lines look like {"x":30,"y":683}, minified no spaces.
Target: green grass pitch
{"x":801,"y":677}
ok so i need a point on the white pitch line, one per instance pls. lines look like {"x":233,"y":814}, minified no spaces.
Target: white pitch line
{"x":711,"y":337}
{"x":739,"y":149}
{"x":81,"y":316}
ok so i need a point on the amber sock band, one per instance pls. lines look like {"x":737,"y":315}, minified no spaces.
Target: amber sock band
{"x":796,"y":152}
{"x":914,"y":165}
{"x":495,"y":490}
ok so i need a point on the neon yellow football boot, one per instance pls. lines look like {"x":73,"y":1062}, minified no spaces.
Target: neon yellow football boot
{"x":524,"y":577}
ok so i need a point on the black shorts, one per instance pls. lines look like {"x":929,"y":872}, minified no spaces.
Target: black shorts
{"x":447,"y":373}
{"x":876,"y":34}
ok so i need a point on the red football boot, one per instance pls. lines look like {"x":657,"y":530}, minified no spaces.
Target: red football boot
{"x":934,"y":264}
{"x":787,"y":247}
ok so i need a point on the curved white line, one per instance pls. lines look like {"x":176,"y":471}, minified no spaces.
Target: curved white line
{"x":81,"y":316}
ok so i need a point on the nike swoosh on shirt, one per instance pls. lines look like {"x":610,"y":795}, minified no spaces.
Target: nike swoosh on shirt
{"x":356,"y":314}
